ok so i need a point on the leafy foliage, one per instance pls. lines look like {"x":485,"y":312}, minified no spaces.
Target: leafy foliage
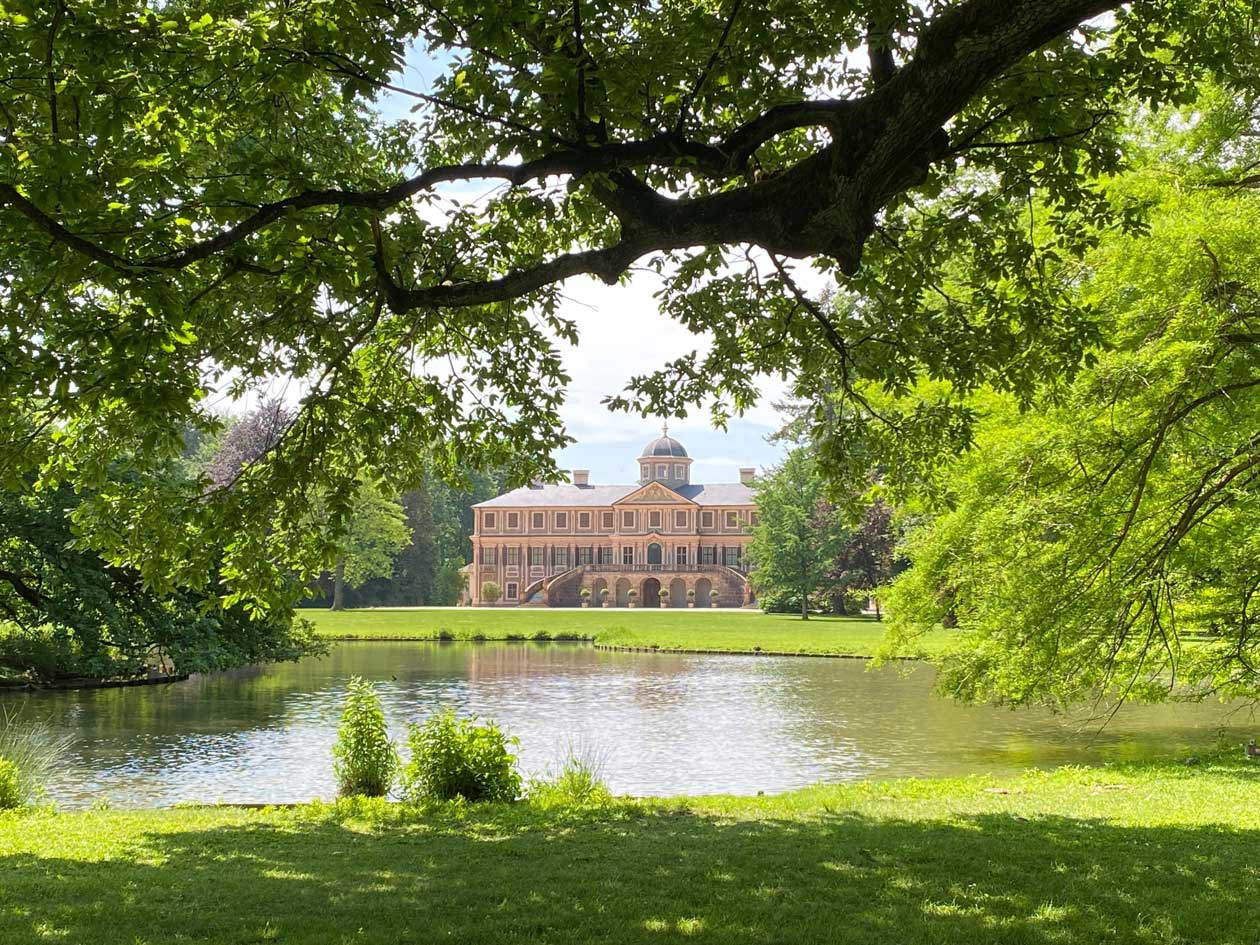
{"x":455,"y":757}
{"x":70,"y":612}
{"x":1106,"y":541}
{"x":204,"y":196}
{"x":365,"y":759}
{"x":10,"y":785}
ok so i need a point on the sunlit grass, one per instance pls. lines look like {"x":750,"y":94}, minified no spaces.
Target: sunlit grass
{"x":726,"y":631}
{"x":1143,"y":854}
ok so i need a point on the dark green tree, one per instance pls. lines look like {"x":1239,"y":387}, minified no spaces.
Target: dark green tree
{"x":798,"y":533}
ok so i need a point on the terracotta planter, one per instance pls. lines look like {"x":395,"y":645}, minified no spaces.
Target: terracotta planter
{"x":691,"y":603}
{"x":607,"y":603}
{"x":630,"y":604}
{"x":586,"y":603}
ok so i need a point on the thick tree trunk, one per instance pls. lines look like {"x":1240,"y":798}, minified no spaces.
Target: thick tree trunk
{"x":339,"y":585}
{"x":878,"y":616}
{"x":804,"y":606}
{"x":837,"y":605}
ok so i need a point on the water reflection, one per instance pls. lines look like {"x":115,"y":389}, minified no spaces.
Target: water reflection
{"x":665,"y":724}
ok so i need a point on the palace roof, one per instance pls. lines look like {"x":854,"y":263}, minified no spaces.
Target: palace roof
{"x":566,"y":494}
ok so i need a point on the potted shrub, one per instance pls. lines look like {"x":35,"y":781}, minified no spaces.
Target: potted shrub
{"x":586,"y":597}
{"x":691,"y":597}
{"x":604,"y":597}
{"x":632,"y":595}
{"x":663,"y":594}
{"x":713,"y":596}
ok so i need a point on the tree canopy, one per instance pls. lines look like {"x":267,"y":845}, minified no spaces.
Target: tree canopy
{"x":1108,"y":540}
{"x":197,"y":196}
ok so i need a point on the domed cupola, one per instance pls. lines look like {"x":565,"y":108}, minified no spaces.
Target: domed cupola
{"x":665,"y":460}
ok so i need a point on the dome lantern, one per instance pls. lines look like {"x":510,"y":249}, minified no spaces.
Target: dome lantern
{"x":665,"y":460}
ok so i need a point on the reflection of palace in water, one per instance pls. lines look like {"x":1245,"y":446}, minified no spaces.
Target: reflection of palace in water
{"x":546,"y":544}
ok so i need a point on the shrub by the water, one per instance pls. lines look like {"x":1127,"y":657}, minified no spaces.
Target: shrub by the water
{"x":32,"y":751}
{"x":10,"y":785}
{"x":365,"y":760}
{"x":456,"y":757}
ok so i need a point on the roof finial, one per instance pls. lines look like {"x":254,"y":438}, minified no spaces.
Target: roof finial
{"x":664,"y":428}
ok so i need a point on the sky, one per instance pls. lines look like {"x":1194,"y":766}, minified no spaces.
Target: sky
{"x":622,"y":333}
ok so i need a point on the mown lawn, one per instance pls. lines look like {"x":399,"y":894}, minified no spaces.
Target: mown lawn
{"x":730,"y":631}
{"x":1153,"y":854}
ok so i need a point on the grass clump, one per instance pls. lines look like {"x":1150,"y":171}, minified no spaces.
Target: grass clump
{"x":30,"y":752}
{"x":578,"y":781}
{"x":454,"y":757}
{"x":365,"y":759}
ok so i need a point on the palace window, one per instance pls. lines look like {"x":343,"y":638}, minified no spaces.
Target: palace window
{"x":680,"y":554}
{"x":753,"y":518}
{"x":662,"y":471}
{"x":654,"y":519}
{"x":706,"y":554}
{"x":511,"y":590}
{"x":490,"y":520}
{"x":732,"y":520}
{"x":512,"y":557}
{"x":627,"y":554}
{"x":607,"y":520}
{"x":489,"y":556}
{"x":537,"y":521}
{"x":732,"y":555}
{"x":679,"y":473}
{"x":514,"y":520}
{"x":606,"y":555}
{"x":562,"y":520}
{"x":586,"y":555}
{"x":584,"y":519}
{"x":560,"y":557}
{"x":627,"y":519}
{"x":535,"y":557}
{"x":706,"y":519}
{"x":680,"y":518}
{"x":645,"y":471}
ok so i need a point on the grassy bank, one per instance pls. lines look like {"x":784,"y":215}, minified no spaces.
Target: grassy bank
{"x":728,"y":631}
{"x":1142,"y":854}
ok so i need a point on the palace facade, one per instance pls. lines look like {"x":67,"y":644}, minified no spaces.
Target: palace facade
{"x":543,"y":545}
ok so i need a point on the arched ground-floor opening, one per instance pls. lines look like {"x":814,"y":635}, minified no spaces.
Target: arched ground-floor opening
{"x":623,"y":592}
{"x":703,"y":586}
{"x":650,"y":593}
{"x":677,"y":593}
{"x":598,"y":586}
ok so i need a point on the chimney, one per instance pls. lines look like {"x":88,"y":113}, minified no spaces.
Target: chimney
{"x":747,"y":474}
{"x":581,"y":477}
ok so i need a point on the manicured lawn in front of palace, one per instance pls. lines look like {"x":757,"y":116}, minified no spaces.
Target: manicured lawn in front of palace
{"x":1145,"y":854}
{"x":734,"y":631}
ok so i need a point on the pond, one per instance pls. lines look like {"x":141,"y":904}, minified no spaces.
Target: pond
{"x":661,"y":723}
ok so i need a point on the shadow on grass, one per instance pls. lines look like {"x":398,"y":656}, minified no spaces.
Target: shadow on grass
{"x":625,"y":877}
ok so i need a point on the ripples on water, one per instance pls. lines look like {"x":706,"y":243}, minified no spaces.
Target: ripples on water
{"x":663,"y":724}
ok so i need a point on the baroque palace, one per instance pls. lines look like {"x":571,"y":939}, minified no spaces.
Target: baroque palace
{"x":544,"y":545}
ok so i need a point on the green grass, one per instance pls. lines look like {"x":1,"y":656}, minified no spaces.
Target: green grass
{"x":1143,"y":855}
{"x":727,"y":631}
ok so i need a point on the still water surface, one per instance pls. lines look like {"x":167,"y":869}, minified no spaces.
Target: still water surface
{"x":663,"y":724}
